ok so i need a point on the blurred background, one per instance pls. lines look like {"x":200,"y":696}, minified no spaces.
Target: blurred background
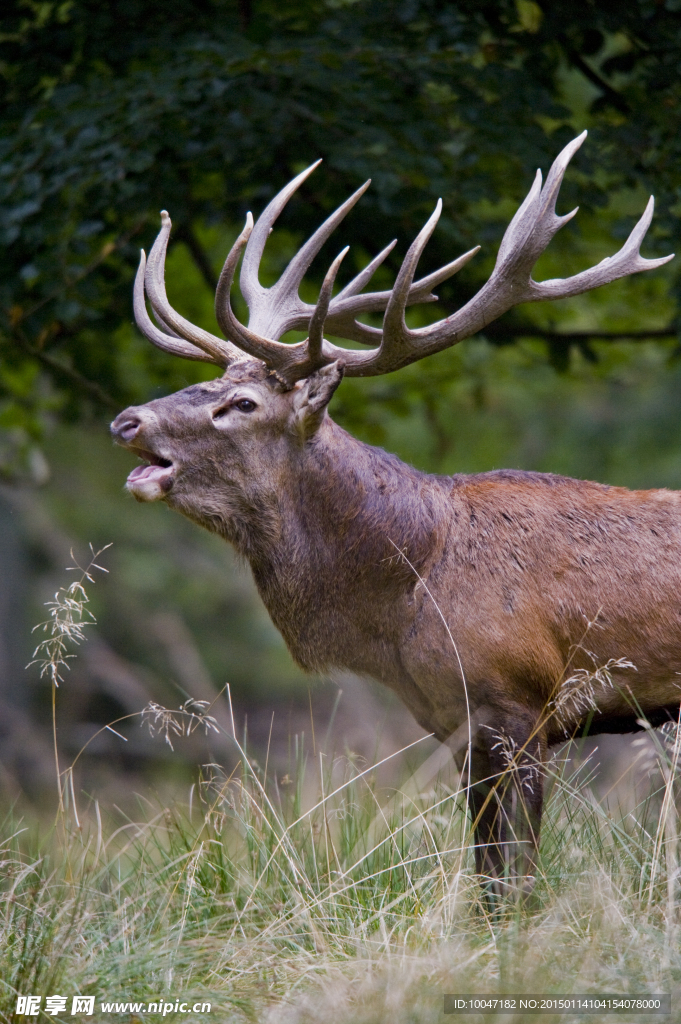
{"x":111,"y":112}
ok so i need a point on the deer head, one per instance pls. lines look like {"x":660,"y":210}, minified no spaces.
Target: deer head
{"x":215,"y":448}
{"x":222,"y":452}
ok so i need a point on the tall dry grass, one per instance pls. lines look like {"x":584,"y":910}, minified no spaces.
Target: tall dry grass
{"x":349,"y":903}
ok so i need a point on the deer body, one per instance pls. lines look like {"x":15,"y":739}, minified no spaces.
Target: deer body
{"x":353,"y":552}
{"x":478,"y":599}
{"x":526,"y":568}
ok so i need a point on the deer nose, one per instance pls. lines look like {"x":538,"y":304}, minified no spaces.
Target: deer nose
{"x":125,"y":426}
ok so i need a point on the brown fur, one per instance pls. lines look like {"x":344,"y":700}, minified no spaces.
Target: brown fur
{"x":357,"y":556}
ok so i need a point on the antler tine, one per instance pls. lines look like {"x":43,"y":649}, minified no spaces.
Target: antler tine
{"x":627,"y":260}
{"x":293,"y":275}
{"x":163,"y":325}
{"x":362,"y":279}
{"x":251,"y":288}
{"x":341,"y":319}
{"x":522,"y":222}
{"x":149,"y":330}
{"x":316,"y":334}
{"x":273,"y":353}
{"x":280,"y":308}
{"x":546,"y":221}
{"x":554,"y":179}
{"x":221,"y":352}
{"x":394,"y":314}
{"x":425,"y":284}
{"x":224,"y":314}
{"x":536,"y":215}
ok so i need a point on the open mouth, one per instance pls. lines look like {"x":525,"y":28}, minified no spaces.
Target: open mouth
{"x":153,"y":479}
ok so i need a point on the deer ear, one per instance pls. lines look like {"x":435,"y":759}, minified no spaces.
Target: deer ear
{"x":312,"y":396}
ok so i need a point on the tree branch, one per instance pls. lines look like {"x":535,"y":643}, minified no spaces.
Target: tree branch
{"x":616,"y":99}
{"x":510,"y":332}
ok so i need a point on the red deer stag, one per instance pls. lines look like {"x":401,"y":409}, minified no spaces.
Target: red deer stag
{"x":466,"y":595}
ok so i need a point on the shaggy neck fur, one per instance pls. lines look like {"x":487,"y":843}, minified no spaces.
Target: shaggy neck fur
{"x":328,"y":559}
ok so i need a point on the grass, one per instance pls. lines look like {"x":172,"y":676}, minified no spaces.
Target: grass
{"x":349,"y":904}
{"x":323,"y":895}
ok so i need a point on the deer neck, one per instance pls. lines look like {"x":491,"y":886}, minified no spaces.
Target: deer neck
{"x":345,"y":539}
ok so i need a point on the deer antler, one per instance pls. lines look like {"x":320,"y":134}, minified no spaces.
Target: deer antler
{"x":202,"y":345}
{"x":165,"y":338}
{"x":276,"y":310}
{"x":526,"y":237}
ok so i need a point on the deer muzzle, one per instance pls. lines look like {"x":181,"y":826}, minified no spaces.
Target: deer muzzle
{"x":154,"y":478}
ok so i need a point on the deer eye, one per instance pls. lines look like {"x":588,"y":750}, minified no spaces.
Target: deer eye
{"x":243,"y":405}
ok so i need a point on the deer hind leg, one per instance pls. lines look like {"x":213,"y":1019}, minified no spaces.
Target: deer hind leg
{"x":506,"y":800}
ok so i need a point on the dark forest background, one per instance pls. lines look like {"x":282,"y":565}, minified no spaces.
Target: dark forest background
{"x":112,"y":111}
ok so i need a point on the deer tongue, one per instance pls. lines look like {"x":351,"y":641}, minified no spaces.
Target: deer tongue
{"x":150,"y":483}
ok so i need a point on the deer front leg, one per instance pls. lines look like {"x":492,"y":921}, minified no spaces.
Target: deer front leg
{"x":506,"y":799}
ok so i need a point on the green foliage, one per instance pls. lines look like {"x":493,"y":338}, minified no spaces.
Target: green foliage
{"x":207,"y":108}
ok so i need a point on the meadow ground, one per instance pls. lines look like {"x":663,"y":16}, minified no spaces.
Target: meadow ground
{"x":325,"y":896}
